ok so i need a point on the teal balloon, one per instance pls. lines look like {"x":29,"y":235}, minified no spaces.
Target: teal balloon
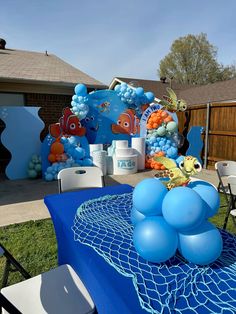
{"x":80,"y":90}
{"x":136,"y":216}
{"x":148,"y":196}
{"x":209,"y":195}
{"x":202,"y":245}
{"x":31,"y":165}
{"x":32,"y":174}
{"x":172,"y":126}
{"x":155,"y":240}
{"x":183,"y":208}
{"x":38,"y":167}
{"x":161,"y":131}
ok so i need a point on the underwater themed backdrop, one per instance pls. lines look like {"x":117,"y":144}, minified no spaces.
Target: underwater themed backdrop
{"x":110,"y":115}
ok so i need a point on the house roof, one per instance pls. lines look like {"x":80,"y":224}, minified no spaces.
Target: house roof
{"x":217,"y":92}
{"x":36,"y":67}
{"x":194,"y":95}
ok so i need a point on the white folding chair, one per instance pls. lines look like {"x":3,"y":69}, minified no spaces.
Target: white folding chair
{"x":57,"y":291}
{"x":231,"y":180}
{"x":79,"y":177}
{"x":225,"y":169}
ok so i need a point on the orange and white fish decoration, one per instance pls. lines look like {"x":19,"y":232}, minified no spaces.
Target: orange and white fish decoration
{"x":105,"y":106}
{"x":69,"y":124}
{"x":127,"y":123}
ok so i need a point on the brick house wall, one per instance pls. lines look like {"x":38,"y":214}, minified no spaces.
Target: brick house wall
{"x":51,"y":107}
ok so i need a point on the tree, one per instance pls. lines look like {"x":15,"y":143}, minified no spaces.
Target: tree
{"x":192,"y":60}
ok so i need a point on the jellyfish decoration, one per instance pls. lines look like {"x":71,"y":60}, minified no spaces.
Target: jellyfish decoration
{"x":166,"y":221}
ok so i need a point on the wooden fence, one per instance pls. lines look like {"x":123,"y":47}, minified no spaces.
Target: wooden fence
{"x":222,"y":129}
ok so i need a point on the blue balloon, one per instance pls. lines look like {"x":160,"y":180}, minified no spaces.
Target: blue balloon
{"x":49,"y":177}
{"x":86,"y":162}
{"x":136,"y":216}
{"x":80,"y":90}
{"x":201,"y":246}
{"x":179,"y":159}
{"x":183,"y":208}
{"x":148,"y":196}
{"x":117,"y":88}
{"x":139,"y":91}
{"x":70,"y":151}
{"x":150,"y":96}
{"x":72,"y":140}
{"x":209,"y":195}
{"x":155,"y":240}
{"x":79,"y":153}
{"x":49,"y":169}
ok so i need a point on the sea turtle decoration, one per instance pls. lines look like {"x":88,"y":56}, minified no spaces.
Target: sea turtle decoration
{"x":178,"y":176}
{"x":172,"y":103}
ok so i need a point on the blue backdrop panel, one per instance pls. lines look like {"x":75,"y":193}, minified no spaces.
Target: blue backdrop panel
{"x":195,"y":142}
{"x":21,"y":137}
{"x":99,"y":129}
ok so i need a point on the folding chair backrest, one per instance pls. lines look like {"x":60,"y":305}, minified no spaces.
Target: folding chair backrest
{"x":232,"y":184}
{"x":226,"y":168}
{"x":79,"y":177}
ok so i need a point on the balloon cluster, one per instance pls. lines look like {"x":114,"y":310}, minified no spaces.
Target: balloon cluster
{"x":162,"y":137}
{"x":76,"y":152}
{"x":34,"y":167}
{"x":133,"y":96}
{"x":79,"y":101}
{"x":74,"y":155}
{"x":156,"y":144}
{"x":177,"y":219}
{"x":57,"y":152}
{"x":52,"y":171}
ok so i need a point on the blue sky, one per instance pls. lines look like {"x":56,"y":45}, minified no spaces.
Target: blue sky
{"x":106,"y":38}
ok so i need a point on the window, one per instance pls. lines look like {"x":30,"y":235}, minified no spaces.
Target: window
{"x":12,"y":99}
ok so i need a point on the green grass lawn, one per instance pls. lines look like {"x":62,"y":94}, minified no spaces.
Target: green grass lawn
{"x":34,"y":245}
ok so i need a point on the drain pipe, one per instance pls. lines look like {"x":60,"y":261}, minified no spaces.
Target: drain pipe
{"x":207,"y":135}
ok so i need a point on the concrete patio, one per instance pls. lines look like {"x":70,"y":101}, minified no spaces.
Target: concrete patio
{"x":22,"y":200}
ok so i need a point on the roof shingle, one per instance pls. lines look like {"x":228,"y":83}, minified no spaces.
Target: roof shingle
{"x":194,"y":94}
{"x":35,"y":66}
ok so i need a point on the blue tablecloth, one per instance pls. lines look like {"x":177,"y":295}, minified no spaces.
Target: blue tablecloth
{"x":112,"y":292}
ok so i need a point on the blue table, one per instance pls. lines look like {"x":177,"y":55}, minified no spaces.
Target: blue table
{"x":114,"y":293}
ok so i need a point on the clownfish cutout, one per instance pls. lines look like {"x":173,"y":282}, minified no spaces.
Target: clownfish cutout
{"x":69,"y":124}
{"x":127,"y":123}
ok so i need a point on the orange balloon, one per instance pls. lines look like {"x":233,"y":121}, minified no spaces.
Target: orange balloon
{"x":52,"y":158}
{"x":57,"y":148}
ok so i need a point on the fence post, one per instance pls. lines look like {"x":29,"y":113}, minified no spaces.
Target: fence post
{"x":206,"y":135}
